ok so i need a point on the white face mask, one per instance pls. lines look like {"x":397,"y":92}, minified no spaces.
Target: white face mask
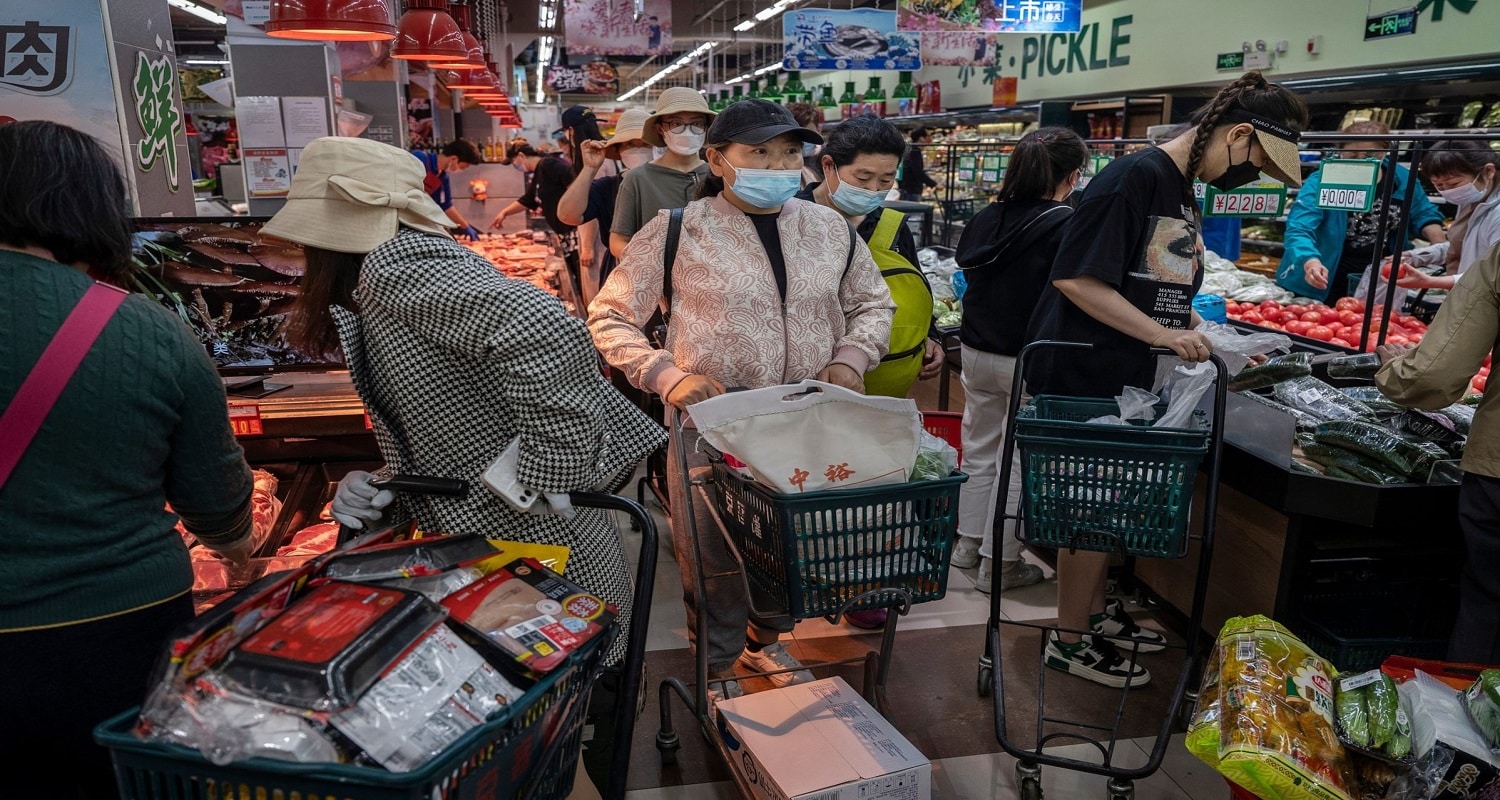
{"x":633,"y":157}
{"x":686,"y":143}
{"x":1464,"y":195}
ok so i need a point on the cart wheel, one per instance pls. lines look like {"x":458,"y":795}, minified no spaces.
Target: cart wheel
{"x":986,"y":681}
{"x":1029,"y":781}
{"x":667,"y":745}
{"x":1121,"y":789}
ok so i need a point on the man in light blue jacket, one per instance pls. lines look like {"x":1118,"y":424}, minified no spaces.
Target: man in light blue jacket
{"x":1325,"y":248}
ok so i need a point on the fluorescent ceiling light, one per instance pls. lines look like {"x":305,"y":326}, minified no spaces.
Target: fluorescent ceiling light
{"x":765,"y":14}
{"x":203,"y":62}
{"x":198,"y":11}
{"x":544,"y":48}
{"x":546,"y":14}
{"x":684,"y":61}
{"x":771,"y":67}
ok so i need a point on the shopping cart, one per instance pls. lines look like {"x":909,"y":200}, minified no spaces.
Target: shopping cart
{"x":527,"y":752}
{"x":794,"y":555}
{"x":1110,"y":488}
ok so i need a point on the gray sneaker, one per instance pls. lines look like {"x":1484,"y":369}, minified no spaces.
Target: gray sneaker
{"x":1013,"y":575}
{"x":965,"y":552}
{"x":775,"y":657}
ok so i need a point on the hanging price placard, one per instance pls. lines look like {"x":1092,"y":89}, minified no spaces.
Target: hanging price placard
{"x":1255,"y":200}
{"x":993,"y":169}
{"x":1348,"y":184}
{"x":244,"y":419}
{"x":966,"y":168}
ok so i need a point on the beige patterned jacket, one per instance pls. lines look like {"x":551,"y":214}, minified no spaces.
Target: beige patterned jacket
{"x":728,"y":319}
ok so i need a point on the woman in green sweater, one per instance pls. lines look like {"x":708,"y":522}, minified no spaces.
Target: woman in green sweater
{"x":94,"y":576}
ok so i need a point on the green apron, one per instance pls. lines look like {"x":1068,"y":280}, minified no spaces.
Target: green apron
{"x":913,"y":319}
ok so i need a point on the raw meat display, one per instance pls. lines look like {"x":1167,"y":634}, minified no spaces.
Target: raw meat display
{"x":312,"y":540}
{"x":519,"y":257}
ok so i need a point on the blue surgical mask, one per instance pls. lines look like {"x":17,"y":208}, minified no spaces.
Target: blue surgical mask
{"x":765,"y":188}
{"x":856,"y":201}
{"x":809,"y":149}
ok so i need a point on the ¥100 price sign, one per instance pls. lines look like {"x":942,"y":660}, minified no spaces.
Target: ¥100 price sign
{"x":1255,"y":200}
{"x":1348,"y":184}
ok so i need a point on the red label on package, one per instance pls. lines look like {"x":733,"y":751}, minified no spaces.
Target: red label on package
{"x":583,"y":606}
{"x":324,"y":623}
{"x":244,"y":419}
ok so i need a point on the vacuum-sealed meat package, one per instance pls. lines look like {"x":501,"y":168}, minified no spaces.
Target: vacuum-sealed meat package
{"x":533,"y":613}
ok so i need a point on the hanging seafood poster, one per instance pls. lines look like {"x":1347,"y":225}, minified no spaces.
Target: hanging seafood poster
{"x":860,"y":39}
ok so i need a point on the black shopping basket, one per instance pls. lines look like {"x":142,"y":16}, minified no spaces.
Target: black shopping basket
{"x":527,"y":751}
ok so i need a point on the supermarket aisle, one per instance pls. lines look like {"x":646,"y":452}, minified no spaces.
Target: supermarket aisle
{"x":931,"y":694}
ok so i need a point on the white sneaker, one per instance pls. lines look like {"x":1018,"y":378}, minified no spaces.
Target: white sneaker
{"x":1013,"y":575}
{"x":728,"y":690}
{"x":1095,"y":659}
{"x":775,"y":657}
{"x":1116,"y":623}
{"x":965,"y":552}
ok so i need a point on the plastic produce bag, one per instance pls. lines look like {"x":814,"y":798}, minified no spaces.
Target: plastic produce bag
{"x":1321,"y":400}
{"x":1482,"y":701}
{"x":1274,"y":371}
{"x":1276,"y":735}
{"x":935,"y":458}
{"x":1183,"y":390}
{"x":1442,"y":732}
{"x":1236,"y":349}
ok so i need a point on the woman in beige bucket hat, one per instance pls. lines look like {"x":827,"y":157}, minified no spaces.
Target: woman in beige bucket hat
{"x":680,"y":123}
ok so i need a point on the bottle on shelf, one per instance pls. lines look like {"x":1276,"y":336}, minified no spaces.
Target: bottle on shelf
{"x":739,"y":94}
{"x":848,"y":100}
{"x":825,"y":98}
{"x":755,"y":88}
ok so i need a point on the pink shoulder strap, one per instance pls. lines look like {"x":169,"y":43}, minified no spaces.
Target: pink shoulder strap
{"x":47,"y":379}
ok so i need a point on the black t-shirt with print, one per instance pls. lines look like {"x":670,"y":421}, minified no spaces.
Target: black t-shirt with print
{"x":1135,"y":229}
{"x":1361,"y":241}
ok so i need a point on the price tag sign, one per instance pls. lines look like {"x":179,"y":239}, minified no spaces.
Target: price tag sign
{"x":1255,"y":200}
{"x":244,"y":419}
{"x":1200,"y":190}
{"x":966,"y":168}
{"x":1348,"y":184}
{"x":993,"y":170}
{"x":1098,"y":163}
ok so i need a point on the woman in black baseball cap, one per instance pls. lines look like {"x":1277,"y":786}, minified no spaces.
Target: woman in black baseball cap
{"x":765,"y":290}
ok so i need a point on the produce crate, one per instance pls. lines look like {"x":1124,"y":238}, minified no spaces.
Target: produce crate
{"x":1357,"y":624}
{"x":1106,"y":487}
{"x":1354,"y":653}
{"x":812,"y":553}
{"x":497,"y":759}
{"x":948,"y":426}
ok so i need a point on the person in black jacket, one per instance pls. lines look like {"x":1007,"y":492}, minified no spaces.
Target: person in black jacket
{"x":1006,"y":254}
{"x":550,"y":178}
{"x":914,"y":178}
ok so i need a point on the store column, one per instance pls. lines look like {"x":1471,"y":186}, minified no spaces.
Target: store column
{"x":104,"y":67}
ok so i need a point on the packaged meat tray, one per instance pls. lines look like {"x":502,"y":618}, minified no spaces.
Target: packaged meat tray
{"x":329,"y":647}
{"x":536,"y":615}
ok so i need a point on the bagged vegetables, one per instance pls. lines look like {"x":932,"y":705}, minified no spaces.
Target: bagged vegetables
{"x":1275,"y":715}
{"x":1321,"y":400}
{"x":1274,"y":371}
{"x":1304,"y":420}
{"x":1482,"y":701}
{"x":1360,"y":365}
{"x":1378,"y":444}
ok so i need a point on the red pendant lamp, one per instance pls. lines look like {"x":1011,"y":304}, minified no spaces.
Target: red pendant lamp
{"x":475,"y":57}
{"x":427,"y":33}
{"x":331,"y":20}
{"x":470,"y":79}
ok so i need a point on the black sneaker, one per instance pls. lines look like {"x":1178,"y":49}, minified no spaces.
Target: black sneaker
{"x":1095,"y":659}
{"x":1123,"y":631}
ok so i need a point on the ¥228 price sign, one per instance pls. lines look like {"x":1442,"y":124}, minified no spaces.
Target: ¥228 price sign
{"x":244,"y":419}
{"x":1256,"y":200}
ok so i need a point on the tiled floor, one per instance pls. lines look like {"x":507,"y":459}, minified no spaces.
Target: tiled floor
{"x":984,"y":771}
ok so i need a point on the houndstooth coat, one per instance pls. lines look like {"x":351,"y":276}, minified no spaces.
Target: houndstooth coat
{"x":453,"y":361}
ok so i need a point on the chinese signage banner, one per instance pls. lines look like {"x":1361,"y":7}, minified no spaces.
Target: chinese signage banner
{"x":958,"y":49}
{"x":610,"y":27}
{"x":994,"y":16}
{"x":598,"y":77}
{"x":861,"y":39}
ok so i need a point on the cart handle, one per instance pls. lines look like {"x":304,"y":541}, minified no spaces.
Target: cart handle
{"x":423,"y":484}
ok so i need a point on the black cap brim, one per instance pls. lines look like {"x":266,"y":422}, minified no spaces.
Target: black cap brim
{"x":766,"y":133}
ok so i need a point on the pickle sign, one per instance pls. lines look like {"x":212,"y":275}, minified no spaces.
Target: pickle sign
{"x":160,"y":120}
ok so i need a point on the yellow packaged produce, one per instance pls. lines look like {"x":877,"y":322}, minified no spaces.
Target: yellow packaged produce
{"x":1203,"y":730}
{"x":1276,"y":735}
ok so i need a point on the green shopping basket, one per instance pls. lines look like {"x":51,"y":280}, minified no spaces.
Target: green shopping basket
{"x":813,"y":553}
{"x":1101,"y":487}
{"x":499,"y":759}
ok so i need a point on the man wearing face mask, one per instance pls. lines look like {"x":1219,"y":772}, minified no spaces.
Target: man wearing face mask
{"x":550,"y":177}
{"x":591,"y":197}
{"x":455,"y":156}
{"x":682,"y":118}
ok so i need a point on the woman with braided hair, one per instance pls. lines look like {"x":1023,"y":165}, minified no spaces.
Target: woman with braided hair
{"x":1123,"y":281}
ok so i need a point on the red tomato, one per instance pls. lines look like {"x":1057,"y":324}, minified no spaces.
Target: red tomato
{"x":1348,"y":317}
{"x":1320,"y":332}
{"x":1485,"y":371}
{"x":1314,"y":317}
{"x":1252,"y":317}
{"x":1299,"y":327}
{"x":1486,"y":362}
{"x":1349,"y":304}
{"x":1397,"y":339}
{"x":1480,"y":382}
{"x":1340,"y":342}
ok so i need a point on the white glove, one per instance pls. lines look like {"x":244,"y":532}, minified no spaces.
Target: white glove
{"x":358,"y":501}
{"x":552,"y":505}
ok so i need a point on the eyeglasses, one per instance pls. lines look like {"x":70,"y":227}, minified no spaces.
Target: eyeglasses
{"x":684,"y":127}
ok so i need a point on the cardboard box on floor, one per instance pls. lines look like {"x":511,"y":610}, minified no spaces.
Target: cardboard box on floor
{"x":820,"y":741}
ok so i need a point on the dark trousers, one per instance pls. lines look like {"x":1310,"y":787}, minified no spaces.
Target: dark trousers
{"x":1476,"y":634}
{"x":56,"y":684}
